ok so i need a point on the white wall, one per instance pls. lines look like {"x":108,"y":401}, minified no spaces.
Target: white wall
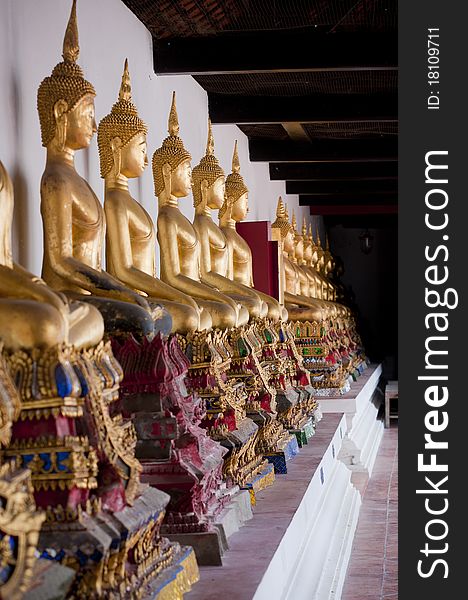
{"x":31,"y":35}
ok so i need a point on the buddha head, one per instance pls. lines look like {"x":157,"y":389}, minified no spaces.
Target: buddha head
{"x":122,"y":136}
{"x":208,"y":178}
{"x":172,"y":171}
{"x":236,"y":204}
{"x":320,"y":254}
{"x":315,"y":249}
{"x":283,"y":227}
{"x":328,"y":257}
{"x":307,"y":242}
{"x":65,"y":100}
{"x":298,"y":241}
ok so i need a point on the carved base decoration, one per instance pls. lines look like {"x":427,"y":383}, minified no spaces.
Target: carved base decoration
{"x":176,"y":454}
{"x":20,"y":525}
{"x":81,"y":452}
{"x":226,"y":374}
{"x":324,"y":354}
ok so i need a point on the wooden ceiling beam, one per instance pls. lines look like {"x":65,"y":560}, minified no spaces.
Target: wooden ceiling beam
{"x":326,"y":171}
{"x":368,"y":199}
{"x":323,"y":109}
{"x":275,"y":51}
{"x":324,"y":150}
{"x":354,"y":209}
{"x":356,"y":187}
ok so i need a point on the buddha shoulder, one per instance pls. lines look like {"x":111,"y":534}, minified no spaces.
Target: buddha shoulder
{"x":63,"y":182}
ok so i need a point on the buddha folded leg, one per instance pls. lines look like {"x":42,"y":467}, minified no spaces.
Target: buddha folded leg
{"x":305,"y":313}
{"x":184,"y":317}
{"x":123,"y":318}
{"x":27,"y":324}
{"x":254,"y":305}
{"x":222,"y":315}
{"x":86,"y":325}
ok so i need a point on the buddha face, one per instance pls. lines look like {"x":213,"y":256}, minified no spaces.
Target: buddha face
{"x":289,"y":241}
{"x":133,"y":158}
{"x":321,"y":262}
{"x":299,"y":248}
{"x":216,"y":193}
{"x":81,"y":124}
{"x":314,"y":256}
{"x":181,"y":180}
{"x":240,"y":208}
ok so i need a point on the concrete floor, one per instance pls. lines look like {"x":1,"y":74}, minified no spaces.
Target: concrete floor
{"x":373,"y":568}
{"x":372,"y":571}
{"x":252,"y":547}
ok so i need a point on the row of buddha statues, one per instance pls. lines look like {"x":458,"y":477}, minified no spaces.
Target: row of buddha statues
{"x":133,"y":407}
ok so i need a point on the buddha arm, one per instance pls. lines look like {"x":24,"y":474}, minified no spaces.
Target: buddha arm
{"x":57,"y":216}
{"x":119,"y":245}
{"x":215,"y":279}
{"x":167,"y":237}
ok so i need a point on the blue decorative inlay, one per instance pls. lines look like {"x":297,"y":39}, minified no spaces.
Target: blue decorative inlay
{"x":82,"y":557}
{"x":115,"y":544}
{"x":279,"y":463}
{"x":60,"y":555}
{"x":6,"y":573}
{"x":281,"y":336}
{"x":333,"y":450}
{"x":47,"y":463}
{"x":7,"y":570}
{"x":63,"y":382}
{"x":83,"y":382}
{"x":322,"y":476}
{"x":96,"y":556}
{"x":27,"y":458}
{"x":62,"y":456}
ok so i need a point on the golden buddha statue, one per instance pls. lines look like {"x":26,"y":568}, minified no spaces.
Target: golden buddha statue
{"x":322,"y":263}
{"x":314,"y":278}
{"x":73,"y":218}
{"x":234,"y":210}
{"x":215,"y":259}
{"x":300,"y":307}
{"x":296,"y":256}
{"x":130,"y":235}
{"x":315,"y":281}
{"x":317,"y":263}
{"x":32,"y":315}
{"x":178,"y":240}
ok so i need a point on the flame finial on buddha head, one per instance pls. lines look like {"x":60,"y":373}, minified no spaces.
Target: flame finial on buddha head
{"x":207,"y":169}
{"x":122,"y":122}
{"x":172,"y":150}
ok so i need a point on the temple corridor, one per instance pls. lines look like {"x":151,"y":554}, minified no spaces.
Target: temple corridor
{"x":373,"y":567}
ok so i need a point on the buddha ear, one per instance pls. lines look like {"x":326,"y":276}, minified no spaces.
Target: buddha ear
{"x":61,"y":122}
{"x":60,"y":108}
{"x":204,"y":185}
{"x":167,"y":171}
{"x":116,"y":146}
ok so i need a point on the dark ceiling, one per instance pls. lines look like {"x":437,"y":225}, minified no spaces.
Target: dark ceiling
{"x":312,"y":83}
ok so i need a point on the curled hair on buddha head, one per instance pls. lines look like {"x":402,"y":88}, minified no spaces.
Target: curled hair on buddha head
{"x":172,"y":150}
{"x":122,"y":122}
{"x":207,"y":169}
{"x":235,"y":186}
{"x":65,"y":83}
{"x":282,"y":220}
